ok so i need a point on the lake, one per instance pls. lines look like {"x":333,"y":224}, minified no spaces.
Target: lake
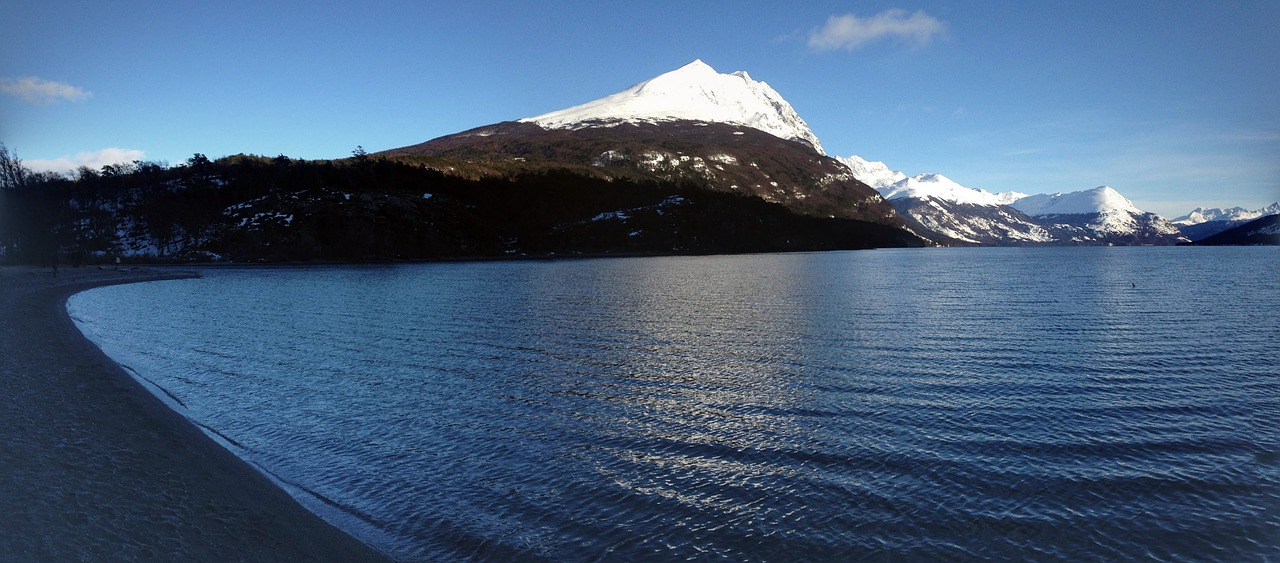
{"x":925,"y":404}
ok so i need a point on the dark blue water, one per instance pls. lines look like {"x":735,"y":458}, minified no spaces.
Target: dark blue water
{"x":1059,"y":403}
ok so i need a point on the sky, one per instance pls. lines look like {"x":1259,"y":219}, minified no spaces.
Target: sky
{"x":1175,"y":104}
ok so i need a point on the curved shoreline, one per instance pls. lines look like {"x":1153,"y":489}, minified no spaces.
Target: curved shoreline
{"x":97,"y":468}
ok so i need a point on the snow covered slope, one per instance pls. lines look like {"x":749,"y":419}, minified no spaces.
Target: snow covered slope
{"x":1102,"y":199}
{"x":694,"y":92}
{"x":874,"y":174}
{"x":937,"y":186}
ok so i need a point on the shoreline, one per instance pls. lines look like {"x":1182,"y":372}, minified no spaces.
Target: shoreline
{"x":98,"y":468}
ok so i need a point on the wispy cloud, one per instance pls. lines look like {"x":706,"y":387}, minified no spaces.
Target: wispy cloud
{"x":1024,"y":152}
{"x":92,"y":159}
{"x":850,"y":31}
{"x":43,"y":92}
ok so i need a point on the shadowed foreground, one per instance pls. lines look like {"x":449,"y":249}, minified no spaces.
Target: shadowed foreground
{"x":96,"y":468}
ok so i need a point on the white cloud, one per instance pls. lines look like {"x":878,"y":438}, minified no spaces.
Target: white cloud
{"x":42,"y":92}
{"x":92,"y":159}
{"x":850,"y":32}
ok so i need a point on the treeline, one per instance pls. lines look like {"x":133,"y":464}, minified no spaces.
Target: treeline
{"x":251,"y":209}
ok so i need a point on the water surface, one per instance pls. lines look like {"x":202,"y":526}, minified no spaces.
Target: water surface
{"x":1072,"y":403}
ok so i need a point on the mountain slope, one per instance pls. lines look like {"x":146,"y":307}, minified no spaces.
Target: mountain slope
{"x":956,"y":223}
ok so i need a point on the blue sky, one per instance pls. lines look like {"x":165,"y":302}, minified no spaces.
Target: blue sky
{"x":1174,"y":104}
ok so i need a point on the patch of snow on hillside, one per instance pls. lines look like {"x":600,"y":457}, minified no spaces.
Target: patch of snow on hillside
{"x":723,"y":158}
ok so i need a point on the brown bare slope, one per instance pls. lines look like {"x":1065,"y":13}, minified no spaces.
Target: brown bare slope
{"x":719,"y":156}
{"x":94,"y":468}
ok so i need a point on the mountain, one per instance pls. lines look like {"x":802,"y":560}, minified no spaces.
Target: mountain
{"x":949,"y":212}
{"x":1202,"y":223}
{"x":723,"y":132}
{"x":1262,"y":231}
{"x":694,"y":92}
{"x":1099,"y":215}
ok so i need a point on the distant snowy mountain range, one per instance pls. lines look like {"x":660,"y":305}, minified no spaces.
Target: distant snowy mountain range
{"x":1202,"y":223}
{"x":940,"y":208}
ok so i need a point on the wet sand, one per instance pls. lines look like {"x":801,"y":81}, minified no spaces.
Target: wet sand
{"x":95,"y":468}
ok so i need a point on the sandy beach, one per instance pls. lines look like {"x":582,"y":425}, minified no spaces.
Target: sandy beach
{"x":94,"y":468}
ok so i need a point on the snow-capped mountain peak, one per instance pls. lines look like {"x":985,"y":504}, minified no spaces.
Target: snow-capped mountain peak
{"x":693,"y":92}
{"x":1102,"y":199}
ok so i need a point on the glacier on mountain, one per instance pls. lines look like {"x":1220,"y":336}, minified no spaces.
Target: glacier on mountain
{"x":694,"y":92}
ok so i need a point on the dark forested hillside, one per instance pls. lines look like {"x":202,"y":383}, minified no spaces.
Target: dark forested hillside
{"x":250,"y":208}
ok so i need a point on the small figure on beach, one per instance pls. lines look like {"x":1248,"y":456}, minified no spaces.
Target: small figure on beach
{"x":54,"y":261}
